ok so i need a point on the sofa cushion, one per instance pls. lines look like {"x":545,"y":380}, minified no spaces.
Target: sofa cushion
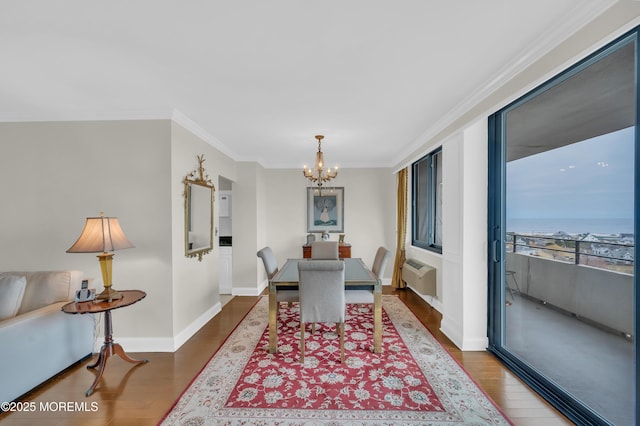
{"x":11,"y":294}
{"x":44,"y":288}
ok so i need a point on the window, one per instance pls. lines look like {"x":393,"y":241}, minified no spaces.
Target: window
{"x":427,"y":202}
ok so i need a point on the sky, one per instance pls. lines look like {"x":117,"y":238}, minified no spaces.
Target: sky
{"x":590,"y":179}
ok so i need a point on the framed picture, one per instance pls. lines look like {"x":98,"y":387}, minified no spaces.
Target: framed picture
{"x":325,"y":209}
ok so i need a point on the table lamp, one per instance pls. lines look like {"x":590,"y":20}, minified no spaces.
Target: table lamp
{"x":102,"y":235}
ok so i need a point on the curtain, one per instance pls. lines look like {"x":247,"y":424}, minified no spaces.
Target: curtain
{"x":396,"y":280}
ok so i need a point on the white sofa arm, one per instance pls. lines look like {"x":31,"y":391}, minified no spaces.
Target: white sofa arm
{"x":38,"y":345}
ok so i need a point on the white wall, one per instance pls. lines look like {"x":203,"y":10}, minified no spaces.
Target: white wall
{"x":57,"y":174}
{"x":462,"y":267}
{"x":54,"y":175}
{"x":474,"y":178}
{"x":369,"y":212}
{"x":247,"y":214}
{"x":195,"y":284}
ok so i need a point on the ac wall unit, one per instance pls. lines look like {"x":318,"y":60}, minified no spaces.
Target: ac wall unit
{"x":420,"y":277}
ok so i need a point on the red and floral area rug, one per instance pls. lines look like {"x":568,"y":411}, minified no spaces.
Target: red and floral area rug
{"x":415,"y":381}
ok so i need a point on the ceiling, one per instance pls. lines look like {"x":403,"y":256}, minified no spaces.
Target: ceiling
{"x":260,"y":78}
{"x":598,"y":98}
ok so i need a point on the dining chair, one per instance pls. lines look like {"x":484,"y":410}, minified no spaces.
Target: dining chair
{"x":271,"y":268}
{"x":378,"y":267}
{"x":325,"y":250}
{"x":322,"y":297}
{"x":380,"y":262}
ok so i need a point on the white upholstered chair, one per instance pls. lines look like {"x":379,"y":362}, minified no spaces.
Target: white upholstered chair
{"x":271,"y":268}
{"x":322,"y":297}
{"x":378,"y":268}
{"x":380,"y":262}
{"x":325,"y":250}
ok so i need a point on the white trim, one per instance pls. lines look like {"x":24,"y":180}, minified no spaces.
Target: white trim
{"x":573,"y":60}
{"x":181,"y":119}
{"x":132,"y":345}
{"x":577,"y":19}
{"x":250,"y":291}
{"x":161,"y":344}
{"x":369,"y":165}
{"x":431,"y":300}
{"x":196,"y":325}
{"x":128,"y":115}
{"x":86,"y":115}
{"x":479,"y":344}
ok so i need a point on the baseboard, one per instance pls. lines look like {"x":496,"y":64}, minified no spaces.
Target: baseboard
{"x":250,"y":291}
{"x":162,"y":344}
{"x":431,"y":300}
{"x":476,"y":344}
{"x":145,"y":344}
{"x":451,"y":330}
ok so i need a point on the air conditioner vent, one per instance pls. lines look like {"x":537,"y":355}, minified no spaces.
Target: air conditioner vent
{"x":419,"y":276}
{"x":415,"y":264}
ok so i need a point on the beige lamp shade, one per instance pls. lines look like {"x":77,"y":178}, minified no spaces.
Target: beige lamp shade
{"x":100,"y":235}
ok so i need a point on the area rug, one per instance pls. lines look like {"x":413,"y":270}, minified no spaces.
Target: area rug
{"x":415,"y":381}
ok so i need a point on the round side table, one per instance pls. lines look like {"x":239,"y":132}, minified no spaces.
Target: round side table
{"x":129,"y":297}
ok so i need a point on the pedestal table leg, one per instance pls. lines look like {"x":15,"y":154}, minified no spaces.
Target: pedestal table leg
{"x":109,"y":348}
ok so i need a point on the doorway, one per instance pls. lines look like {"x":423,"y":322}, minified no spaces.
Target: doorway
{"x":225,"y":238}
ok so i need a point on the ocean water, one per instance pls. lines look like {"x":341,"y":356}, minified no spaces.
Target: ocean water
{"x":571,"y":225}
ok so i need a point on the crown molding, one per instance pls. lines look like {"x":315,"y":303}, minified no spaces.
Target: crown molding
{"x":342,"y":166}
{"x":580,"y":16}
{"x":190,"y":125}
{"x":124,"y":115}
{"x":575,"y":20}
{"x":84,"y":115}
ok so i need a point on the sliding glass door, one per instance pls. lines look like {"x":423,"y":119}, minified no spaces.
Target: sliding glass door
{"x":563,"y":182}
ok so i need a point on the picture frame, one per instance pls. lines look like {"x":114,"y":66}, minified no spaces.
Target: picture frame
{"x":325,"y":209}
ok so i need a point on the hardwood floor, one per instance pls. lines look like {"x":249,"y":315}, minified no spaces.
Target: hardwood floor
{"x":141,"y":395}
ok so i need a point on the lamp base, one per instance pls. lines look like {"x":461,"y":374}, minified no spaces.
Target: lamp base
{"x":109,"y":294}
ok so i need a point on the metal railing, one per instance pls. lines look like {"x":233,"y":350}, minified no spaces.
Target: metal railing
{"x":612,"y":255}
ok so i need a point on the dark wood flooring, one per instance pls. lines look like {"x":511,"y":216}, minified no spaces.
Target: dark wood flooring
{"x":141,"y":395}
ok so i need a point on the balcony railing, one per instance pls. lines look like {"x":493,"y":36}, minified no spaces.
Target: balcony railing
{"x":612,"y":255}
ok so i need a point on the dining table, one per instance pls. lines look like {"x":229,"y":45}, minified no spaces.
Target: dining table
{"x":357,"y":277}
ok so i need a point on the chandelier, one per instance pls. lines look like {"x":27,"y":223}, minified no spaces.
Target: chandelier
{"x":318,"y":174}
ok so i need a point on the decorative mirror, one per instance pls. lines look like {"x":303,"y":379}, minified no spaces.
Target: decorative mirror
{"x":198,"y":212}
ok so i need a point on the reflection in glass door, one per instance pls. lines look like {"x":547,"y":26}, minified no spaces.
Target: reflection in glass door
{"x":563,"y":237}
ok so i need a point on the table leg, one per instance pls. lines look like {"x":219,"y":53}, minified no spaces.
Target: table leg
{"x":377,"y":318}
{"x":109,"y":348}
{"x":273,"y":318}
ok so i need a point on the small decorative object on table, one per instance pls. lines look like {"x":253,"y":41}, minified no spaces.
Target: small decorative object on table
{"x":85,"y":294}
{"x":341,"y":240}
{"x":310,"y":239}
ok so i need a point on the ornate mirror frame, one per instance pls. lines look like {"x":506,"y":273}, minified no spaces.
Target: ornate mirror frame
{"x":198,"y":212}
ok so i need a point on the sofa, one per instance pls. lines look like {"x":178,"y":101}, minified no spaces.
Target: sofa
{"x":38,"y":340}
